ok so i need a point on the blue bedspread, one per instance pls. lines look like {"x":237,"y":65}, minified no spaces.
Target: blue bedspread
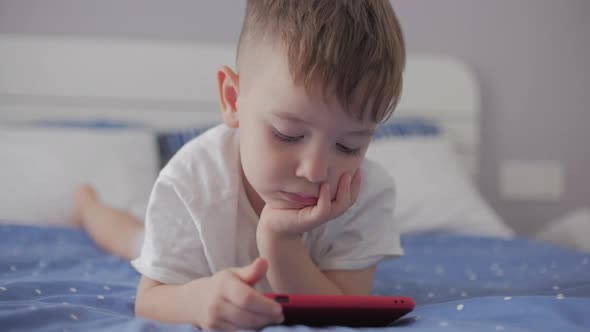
{"x":55,"y":279}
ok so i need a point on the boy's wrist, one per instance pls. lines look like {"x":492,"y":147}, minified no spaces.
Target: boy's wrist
{"x":273,"y":224}
{"x":268,"y":240}
{"x":173,"y":303}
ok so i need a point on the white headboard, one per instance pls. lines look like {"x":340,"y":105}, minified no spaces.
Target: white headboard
{"x":173,"y":85}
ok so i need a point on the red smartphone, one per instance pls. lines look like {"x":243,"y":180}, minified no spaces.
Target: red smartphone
{"x":342,"y":310}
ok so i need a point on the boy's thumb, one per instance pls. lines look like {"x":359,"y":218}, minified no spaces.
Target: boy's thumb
{"x":252,"y":273}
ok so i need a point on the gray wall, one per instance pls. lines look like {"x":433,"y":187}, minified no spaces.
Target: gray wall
{"x":532,"y":60}
{"x":530,"y":57}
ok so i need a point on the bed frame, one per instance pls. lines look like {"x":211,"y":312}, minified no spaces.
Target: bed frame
{"x":168,"y":85}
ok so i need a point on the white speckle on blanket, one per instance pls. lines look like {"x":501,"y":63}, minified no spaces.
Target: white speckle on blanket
{"x":100,"y":297}
{"x":3,"y":289}
{"x":508,"y":298}
{"x":73,"y":290}
{"x":38,"y":291}
{"x":13,"y":268}
{"x":73,"y":317}
{"x":560,"y":296}
{"x":460,"y":307}
{"x":107,"y":288}
{"x":555,"y":287}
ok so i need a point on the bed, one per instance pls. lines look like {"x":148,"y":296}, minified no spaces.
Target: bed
{"x":129,"y":100}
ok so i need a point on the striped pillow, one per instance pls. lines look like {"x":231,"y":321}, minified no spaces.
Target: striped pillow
{"x":170,"y":143}
{"x":406,"y":127}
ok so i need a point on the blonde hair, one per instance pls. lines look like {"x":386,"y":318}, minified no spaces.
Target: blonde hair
{"x":355,"y":47}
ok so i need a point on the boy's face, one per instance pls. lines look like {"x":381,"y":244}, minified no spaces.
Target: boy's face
{"x":291,"y":142}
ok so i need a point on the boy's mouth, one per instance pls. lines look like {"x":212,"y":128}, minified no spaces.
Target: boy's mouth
{"x":300,"y":198}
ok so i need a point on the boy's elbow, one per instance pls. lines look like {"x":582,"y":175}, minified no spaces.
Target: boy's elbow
{"x":141,"y":307}
{"x":142,"y":303}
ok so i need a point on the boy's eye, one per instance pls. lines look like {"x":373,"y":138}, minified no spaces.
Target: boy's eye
{"x":346,"y":149}
{"x":285,"y":138}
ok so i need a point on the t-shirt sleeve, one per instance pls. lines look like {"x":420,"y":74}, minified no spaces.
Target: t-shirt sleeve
{"x":172,"y":251}
{"x":367,"y":233}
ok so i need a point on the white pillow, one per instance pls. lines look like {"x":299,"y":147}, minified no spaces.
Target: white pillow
{"x":42,"y":167}
{"x":433,"y":190}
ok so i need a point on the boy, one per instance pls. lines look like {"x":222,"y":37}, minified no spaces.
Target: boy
{"x":279,"y":198}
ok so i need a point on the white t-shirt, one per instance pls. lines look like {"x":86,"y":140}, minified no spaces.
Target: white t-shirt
{"x":199,"y":220}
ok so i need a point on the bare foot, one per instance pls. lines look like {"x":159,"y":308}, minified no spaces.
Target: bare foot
{"x":84,"y":197}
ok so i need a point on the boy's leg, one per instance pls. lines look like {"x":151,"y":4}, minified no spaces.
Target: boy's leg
{"x":114,"y":230}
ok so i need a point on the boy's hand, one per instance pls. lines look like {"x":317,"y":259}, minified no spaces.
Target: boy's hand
{"x":233,"y":304}
{"x":290,"y":222}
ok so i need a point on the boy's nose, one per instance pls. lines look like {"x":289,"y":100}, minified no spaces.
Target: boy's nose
{"x":314,"y":168}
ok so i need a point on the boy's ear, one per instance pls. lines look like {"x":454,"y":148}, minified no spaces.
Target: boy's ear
{"x":228,"y":84}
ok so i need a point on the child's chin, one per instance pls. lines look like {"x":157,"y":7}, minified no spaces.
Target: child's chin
{"x":286,"y":205}
{"x":297,"y":206}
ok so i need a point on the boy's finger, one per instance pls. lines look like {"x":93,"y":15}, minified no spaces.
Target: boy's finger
{"x":245,"y":319}
{"x":322,"y":208}
{"x":355,"y":186}
{"x":246,"y":297}
{"x":223,"y":326}
{"x":343,"y":196}
{"x":252,"y":273}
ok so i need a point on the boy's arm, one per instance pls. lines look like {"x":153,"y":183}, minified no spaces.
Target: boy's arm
{"x":168,"y":303}
{"x":224,"y":301}
{"x":291,"y":269}
{"x":358,"y":282}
